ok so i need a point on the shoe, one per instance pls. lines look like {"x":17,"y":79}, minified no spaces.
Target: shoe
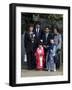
{"x":55,"y":70}
{"x":48,"y":70}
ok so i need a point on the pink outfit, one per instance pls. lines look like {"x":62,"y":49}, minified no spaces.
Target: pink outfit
{"x":40,"y":58}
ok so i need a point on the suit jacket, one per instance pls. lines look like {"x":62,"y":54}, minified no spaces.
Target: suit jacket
{"x":39,"y":33}
{"x":29,"y":45}
{"x":46,"y":41}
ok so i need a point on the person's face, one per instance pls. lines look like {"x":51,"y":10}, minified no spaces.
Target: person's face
{"x":37,"y":26}
{"x":40,"y":46}
{"x":55,"y":31}
{"x":52,"y":41}
{"x":31,"y":29}
{"x":47,"y":30}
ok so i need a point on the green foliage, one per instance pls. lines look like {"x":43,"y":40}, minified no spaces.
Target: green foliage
{"x":53,"y":19}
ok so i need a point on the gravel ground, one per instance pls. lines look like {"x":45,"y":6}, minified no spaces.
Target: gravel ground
{"x":29,"y":73}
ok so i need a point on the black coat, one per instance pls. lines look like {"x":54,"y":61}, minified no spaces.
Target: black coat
{"x":46,"y":42}
{"x":29,"y":46}
{"x":39,"y":34}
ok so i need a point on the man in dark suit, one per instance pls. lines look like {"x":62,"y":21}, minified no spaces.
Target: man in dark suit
{"x":38,"y":31}
{"x":30,"y":46}
{"x":46,"y":36}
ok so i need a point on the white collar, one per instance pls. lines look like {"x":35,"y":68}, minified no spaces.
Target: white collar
{"x":31,"y":32}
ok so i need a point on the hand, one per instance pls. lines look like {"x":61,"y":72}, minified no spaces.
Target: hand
{"x":47,"y":46}
{"x":44,"y":46}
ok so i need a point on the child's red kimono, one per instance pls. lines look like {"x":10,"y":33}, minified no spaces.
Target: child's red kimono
{"x":40,"y":58}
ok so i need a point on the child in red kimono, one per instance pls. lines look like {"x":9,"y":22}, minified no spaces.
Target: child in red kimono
{"x":40,"y":57}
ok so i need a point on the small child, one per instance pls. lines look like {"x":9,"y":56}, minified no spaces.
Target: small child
{"x":51,"y":50}
{"x":40,"y":57}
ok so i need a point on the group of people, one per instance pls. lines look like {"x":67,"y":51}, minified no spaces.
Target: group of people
{"x":42,"y":47}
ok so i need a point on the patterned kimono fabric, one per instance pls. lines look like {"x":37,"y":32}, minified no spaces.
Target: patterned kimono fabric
{"x":58,"y":42}
{"x":50,"y":64}
{"x":40,"y":58}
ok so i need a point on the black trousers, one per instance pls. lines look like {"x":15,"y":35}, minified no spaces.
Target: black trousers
{"x":31,"y":60}
{"x":57,"y":59}
{"x":45,"y":50}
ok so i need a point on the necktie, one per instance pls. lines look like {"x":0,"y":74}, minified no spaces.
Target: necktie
{"x":46,"y":36}
{"x":37,"y":32}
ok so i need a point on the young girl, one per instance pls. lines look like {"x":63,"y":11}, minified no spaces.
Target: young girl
{"x":51,"y":50}
{"x":40,"y":57}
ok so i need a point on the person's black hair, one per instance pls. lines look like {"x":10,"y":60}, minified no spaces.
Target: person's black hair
{"x":57,"y":28}
{"x":40,"y":42}
{"x":37,"y":23}
{"x":49,"y":27}
{"x":30,"y":25}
